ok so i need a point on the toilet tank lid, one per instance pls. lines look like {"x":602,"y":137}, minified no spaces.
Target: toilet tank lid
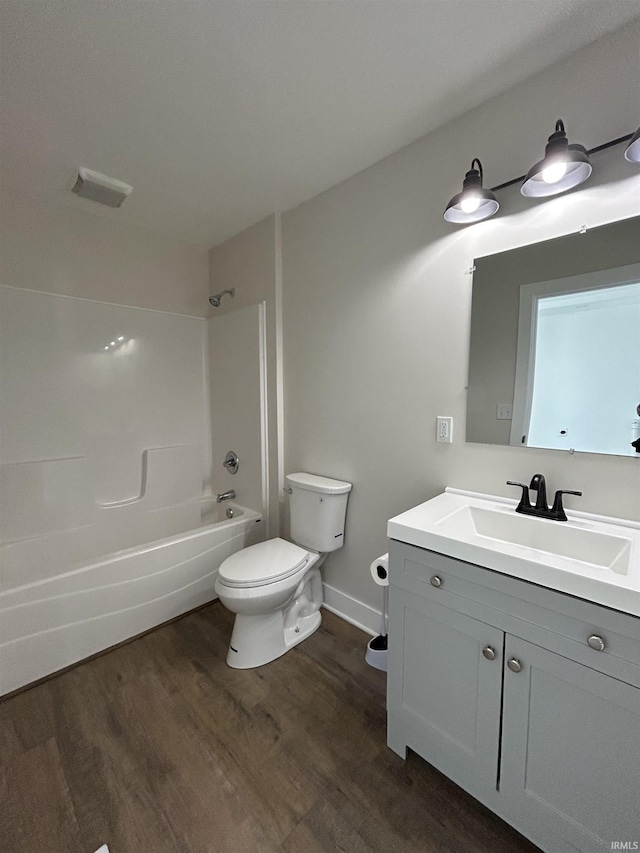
{"x":314,"y":483}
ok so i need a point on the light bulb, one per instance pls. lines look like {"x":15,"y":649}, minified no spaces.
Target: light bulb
{"x":112,"y":344}
{"x":470,"y":203}
{"x":121,"y":338}
{"x":554,"y":173}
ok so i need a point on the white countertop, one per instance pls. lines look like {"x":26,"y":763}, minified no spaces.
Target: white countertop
{"x":589,"y":556}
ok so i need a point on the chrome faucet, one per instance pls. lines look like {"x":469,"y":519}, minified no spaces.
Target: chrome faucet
{"x":226,"y":496}
{"x":539,"y":485}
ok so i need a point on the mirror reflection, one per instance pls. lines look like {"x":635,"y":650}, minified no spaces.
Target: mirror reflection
{"x":554,"y":355}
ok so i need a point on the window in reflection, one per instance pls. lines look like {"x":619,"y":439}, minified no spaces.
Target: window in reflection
{"x":578,"y":385}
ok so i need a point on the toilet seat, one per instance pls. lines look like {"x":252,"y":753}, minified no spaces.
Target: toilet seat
{"x":262,"y":564}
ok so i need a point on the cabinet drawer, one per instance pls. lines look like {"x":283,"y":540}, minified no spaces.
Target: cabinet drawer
{"x":551,"y":619}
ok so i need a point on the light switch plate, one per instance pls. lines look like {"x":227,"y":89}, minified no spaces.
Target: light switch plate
{"x":504,"y":412}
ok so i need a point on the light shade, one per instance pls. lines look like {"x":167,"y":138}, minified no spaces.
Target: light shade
{"x":564,"y":166}
{"x":632,"y":154}
{"x":474,"y":202}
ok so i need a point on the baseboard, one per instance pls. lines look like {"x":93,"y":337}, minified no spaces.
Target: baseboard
{"x":351,"y":610}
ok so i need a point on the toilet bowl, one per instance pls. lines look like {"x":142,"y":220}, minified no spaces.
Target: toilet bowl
{"x":274,"y":587}
{"x":275,"y":590}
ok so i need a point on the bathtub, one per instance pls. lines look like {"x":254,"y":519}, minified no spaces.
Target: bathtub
{"x":66,"y":596}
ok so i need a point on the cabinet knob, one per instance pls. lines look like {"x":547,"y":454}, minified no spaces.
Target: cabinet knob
{"x":596,"y":643}
{"x":514,"y":664}
{"x":489,"y":653}
{"x":436,"y":581}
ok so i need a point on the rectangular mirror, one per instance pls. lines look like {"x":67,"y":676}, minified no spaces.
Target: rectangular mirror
{"x":554,"y":354}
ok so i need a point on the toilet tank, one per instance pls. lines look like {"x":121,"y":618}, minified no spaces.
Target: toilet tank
{"x":317,"y":509}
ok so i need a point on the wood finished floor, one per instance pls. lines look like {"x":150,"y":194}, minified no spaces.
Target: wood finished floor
{"x":159,"y":747}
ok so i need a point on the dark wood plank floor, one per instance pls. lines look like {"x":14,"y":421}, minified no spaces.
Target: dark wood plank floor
{"x":159,"y":747}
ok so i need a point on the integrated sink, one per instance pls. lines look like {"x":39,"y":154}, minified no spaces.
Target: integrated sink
{"x":551,"y":537}
{"x":587,"y":556}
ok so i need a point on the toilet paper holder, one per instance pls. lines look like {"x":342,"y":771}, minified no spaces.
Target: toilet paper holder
{"x":377,"y":648}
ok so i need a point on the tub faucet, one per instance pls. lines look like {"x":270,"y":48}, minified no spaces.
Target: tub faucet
{"x":226,"y":496}
{"x":541,"y":509}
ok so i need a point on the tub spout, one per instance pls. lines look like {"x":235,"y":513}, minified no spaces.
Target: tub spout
{"x":226,"y":496}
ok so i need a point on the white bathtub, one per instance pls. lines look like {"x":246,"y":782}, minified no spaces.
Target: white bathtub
{"x":60,"y":601}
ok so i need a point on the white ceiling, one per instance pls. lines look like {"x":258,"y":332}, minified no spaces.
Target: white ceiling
{"x":219,"y":113}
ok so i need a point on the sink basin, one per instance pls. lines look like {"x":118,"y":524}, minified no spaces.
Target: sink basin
{"x":551,"y":537}
{"x":587,"y":556}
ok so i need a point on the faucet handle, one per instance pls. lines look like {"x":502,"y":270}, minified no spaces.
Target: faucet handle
{"x":524,"y":500}
{"x":557,"y":507}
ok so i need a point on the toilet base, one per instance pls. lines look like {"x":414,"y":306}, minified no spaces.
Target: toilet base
{"x":257,"y":640}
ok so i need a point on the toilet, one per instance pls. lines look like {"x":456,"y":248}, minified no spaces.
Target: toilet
{"x":274,"y":587}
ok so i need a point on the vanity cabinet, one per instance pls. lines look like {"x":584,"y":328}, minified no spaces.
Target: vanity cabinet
{"x":451,"y":693}
{"x":504,"y":687}
{"x":570,"y":750}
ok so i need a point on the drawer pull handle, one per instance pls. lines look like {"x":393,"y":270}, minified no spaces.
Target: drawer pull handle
{"x":489,"y":653}
{"x":596,"y":643}
{"x":436,"y":581}
{"x":514,"y":665}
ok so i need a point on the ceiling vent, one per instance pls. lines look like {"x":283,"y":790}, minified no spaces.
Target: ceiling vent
{"x":100,"y":188}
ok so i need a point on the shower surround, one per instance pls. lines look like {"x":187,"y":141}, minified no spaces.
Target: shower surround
{"x":105,"y":468}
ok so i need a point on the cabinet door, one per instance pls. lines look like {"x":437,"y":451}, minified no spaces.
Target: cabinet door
{"x":444,"y":695}
{"x":570,"y":752}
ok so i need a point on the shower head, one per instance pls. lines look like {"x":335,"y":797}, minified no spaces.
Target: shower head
{"x":216,"y":299}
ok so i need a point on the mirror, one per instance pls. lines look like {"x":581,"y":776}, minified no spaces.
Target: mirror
{"x":554,"y":353}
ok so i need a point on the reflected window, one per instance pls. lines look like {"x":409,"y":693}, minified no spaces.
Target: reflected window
{"x":583,"y":374}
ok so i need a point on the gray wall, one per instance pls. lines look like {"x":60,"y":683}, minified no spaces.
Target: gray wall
{"x":376,"y":304}
{"x":492,"y":356}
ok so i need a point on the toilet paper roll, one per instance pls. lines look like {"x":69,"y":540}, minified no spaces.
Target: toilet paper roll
{"x":380,"y":570}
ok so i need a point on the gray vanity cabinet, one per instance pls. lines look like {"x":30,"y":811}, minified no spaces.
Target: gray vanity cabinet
{"x":451,"y":692}
{"x":493,"y":681}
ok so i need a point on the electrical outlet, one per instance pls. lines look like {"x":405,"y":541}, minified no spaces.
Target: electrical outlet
{"x":504,"y":412}
{"x":444,"y":429}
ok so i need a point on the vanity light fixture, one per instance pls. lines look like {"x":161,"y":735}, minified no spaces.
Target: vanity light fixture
{"x":563,"y":167}
{"x":474,"y":202}
{"x":632,"y":153}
